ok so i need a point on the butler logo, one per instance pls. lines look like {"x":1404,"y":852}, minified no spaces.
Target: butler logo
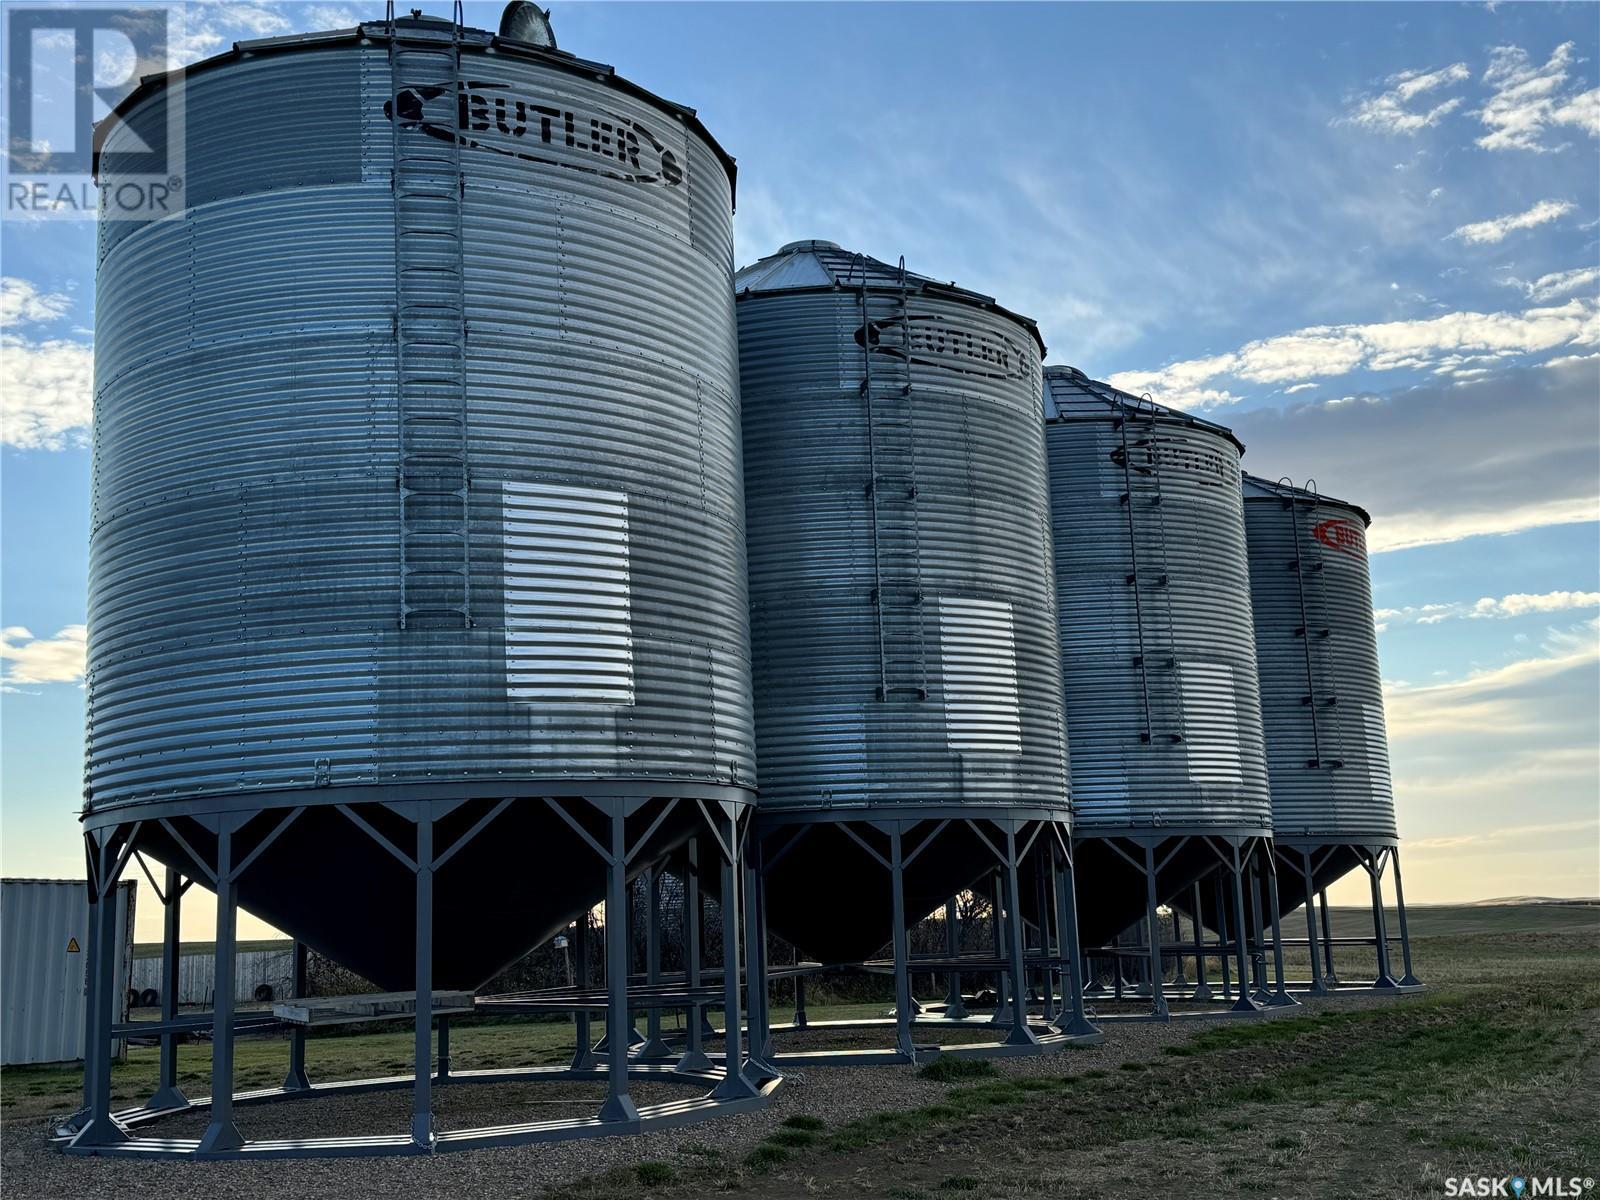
{"x":1341,"y":535}
{"x":937,"y":342}
{"x":488,"y":117}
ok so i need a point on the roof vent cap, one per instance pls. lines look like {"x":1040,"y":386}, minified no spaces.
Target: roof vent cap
{"x":527,"y":23}
{"x":808,"y":244}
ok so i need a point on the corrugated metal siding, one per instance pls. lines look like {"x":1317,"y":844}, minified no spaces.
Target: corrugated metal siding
{"x":990,"y":731}
{"x":197,"y":974}
{"x":1322,"y":698}
{"x":244,"y":588}
{"x":1203,"y":766}
{"x":43,"y":982}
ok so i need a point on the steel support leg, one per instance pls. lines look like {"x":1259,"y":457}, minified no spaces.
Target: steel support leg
{"x":100,"y":1128}
{"x":296,"y":1080}
{"x":734,"y":1086}
{"x":694,"y":1053}
{"x":654,"y":1047}
{"x":582,"y":1019}
{"x":1158,"y":996}
{"x":221,"y":1134}
{"x":997,"y":935}
{"x":955,"y":1006}
{"x":1179,"y":978}
{"x":1258,"y":934}
{"x":1331,"y":976}
{"x":1318,"y":986}
{"x":1380,"y":933}
{"x":1241,"y":950}
{"x":1222,"y":935}
{"x":1073,"y":1020}
{"x":1020,"y":1034}
{"x":1280,"y":992}
{"x":1409,"y":979}
{"x":1202,"y":991}
{"x":168,"y":1093}
{"x":901,"y":943}
{"x":755,"y":968}
{"x":422,"y":1085}
{"x":1043,"y":880}
{"x":619,"y":1104}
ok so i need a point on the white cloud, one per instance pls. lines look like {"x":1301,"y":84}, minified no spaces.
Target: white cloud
{"x":1496,"y":229}
{"x":21,"y":302}
{"x":1330,"y":350}
{"x":46,"y":392}
{"x":1391,"y":112}
{"x":1517,"y":604}
{"x":330,"y":16}
{"x":1527,"y":100}
{"x":1492,"y":700}
{"x":1559,"y":283}
{"x":27,"y":659}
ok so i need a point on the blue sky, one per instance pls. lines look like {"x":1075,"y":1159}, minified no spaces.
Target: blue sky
{"x":1364,"y":235}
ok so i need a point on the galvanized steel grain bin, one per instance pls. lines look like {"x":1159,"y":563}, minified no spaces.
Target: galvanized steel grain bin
{"x":903,"y":617}
{"x":1158,"y":650}
{"x":1321,"y":687}
{"x":417,"y":475}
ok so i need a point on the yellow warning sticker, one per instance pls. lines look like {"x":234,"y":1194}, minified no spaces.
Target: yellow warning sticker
{"x":72,"y":945}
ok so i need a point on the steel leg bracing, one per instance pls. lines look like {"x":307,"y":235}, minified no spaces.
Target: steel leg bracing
{"x":219,"y":848}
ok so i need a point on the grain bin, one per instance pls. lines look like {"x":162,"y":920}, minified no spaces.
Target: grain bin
{"x":417,"y":590}
{"x":908,"y":711}
{"x":1158,"y":654}
{"x":1321,"y":696}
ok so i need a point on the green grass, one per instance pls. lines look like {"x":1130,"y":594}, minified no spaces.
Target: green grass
{"x":806,"y":1122}
{"x":950,"y":1070}
{"x":654,"y":1174}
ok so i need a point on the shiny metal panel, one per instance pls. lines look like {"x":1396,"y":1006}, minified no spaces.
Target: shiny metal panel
{"x":245,"y":566}
{"x":1158,"y":650}
{"x":1317,"y":650}
{"x":977,"y":628}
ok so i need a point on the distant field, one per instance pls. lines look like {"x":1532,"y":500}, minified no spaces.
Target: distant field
{"x":1450,"y":920}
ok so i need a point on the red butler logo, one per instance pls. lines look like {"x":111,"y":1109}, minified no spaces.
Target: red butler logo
{"x":1343,"y":536}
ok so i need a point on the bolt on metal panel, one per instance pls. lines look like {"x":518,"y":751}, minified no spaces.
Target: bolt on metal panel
{"x":1158,"y":650}
{"x":903,"y":615}
{"x":1317,"y":650}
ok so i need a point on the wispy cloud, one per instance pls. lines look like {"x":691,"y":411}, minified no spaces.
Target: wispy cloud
{"x":1496,"y":228}
{"x":23,"y":303}
{"x":1391,"y":111}
{"x":1493,"y":700}
{"x":1331,"y":350}
{"x":1528,"y":100}
{"x":1518,"y":604}
{"x":26,"y":659}
{"x":1502,"y":835}
{"x":1558,"y":283}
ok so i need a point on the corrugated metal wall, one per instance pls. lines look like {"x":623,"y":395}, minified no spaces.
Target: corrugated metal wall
{"x":973,"y":577}
{"x":1158,"y":650}
{"x":1317,"y":646}
{"x":44,"y":966}
{"x":197,"y":972}
{"x":245,"y":579}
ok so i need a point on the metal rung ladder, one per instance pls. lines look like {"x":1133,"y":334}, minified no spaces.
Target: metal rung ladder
{"x":892,"y":491}
{"x":1316,"y":634}
{"x":430,"y":328}
{"x":1156,"y":657}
